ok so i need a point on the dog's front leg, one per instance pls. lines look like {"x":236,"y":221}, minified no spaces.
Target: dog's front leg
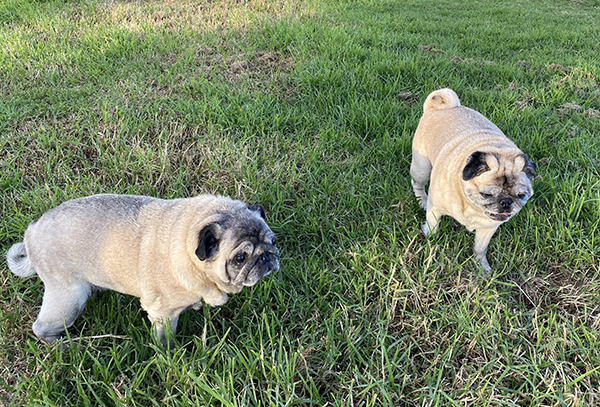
{"x":159,"y":328}
{"x":164,"y":326}
{"x":482,"y":240}
{"x":433,"y":217}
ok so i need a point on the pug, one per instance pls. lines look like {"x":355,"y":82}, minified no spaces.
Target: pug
{"x":172,"y":254}
{"x":476,"y":174}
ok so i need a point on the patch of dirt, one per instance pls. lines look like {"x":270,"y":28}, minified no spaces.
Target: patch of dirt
{"x":558,"y":68}
{"x":405,"y":96}
{"x":525,"y":101}
{"x":592,"y":114}
{"x":259,"y":69}
{"x":561,"y":288}
{"x":525,"y":64}
{"x":567,"y":108}
{"x":431,"y":48}
{"x":455,"y":59}
{"x":577,"y":77}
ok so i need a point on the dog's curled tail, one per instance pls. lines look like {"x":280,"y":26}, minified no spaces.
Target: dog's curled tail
{"x":18,"y":260}
{"x":441,"y":99}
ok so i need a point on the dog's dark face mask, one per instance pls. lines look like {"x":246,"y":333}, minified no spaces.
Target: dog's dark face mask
{"x":246,"y":244}
{"x":498,"y":184}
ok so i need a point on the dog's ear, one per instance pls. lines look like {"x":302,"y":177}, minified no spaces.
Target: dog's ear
{"x":476,"y":165}
{"x":258,"y":208}
{"x":530,"y":168}
{"x":208,"y":243}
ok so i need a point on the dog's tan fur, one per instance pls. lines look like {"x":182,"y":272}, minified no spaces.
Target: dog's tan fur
{"x":475,"y":173}
{"x":146,"y":247}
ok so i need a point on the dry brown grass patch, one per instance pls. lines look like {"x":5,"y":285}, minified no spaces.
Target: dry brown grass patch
{"x":201,"y":15}
{"x":259,"y":70}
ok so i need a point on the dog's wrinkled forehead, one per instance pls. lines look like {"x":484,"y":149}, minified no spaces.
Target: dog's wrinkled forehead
{"x":504,"y":165}
{"x":504,"y":183}
{"x":246,"y":226}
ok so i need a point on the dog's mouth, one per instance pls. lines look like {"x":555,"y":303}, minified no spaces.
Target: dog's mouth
{"x":500,"y":217}
{"x":253,"y":277}
{"x":265,"y":264}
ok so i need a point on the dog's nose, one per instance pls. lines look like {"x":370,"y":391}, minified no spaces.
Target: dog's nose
{"x":265,"y":257}
{"x":506,"y":202}
{"x":268,"y":255}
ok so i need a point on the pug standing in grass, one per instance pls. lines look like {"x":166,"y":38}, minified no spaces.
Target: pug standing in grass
{"x":475,"y":173}
{"x":172,"y":254}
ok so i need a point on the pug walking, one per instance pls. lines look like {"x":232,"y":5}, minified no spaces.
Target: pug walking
{"x":172,"y":254}
{"x":476,"y":174}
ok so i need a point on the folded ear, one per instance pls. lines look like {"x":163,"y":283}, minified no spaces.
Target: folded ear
{"x":476,"y":165}
{"x":530,"y":168}
{"x":258,"y":208}
{"x":208,"y":242}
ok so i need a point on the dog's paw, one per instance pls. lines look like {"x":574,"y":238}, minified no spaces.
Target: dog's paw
{"x":216,"y":298}
{"x":485,"y":265}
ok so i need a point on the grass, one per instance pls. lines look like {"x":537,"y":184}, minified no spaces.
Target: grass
{"x":309,"y":108}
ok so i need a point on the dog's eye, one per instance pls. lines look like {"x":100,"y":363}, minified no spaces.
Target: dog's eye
{"x":521,"y":196}
{"x":240,"y":258}
{"x":485,"y":195}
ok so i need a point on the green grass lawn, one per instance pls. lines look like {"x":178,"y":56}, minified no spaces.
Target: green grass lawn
{"x":309,"y":108}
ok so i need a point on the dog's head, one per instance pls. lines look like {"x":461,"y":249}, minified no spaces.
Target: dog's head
{"x":498,"y":183}
{"x":238,"y":247}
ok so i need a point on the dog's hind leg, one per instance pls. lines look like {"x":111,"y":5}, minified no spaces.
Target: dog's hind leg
{"x":60,"y":308}
{"x":420,"y":170}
